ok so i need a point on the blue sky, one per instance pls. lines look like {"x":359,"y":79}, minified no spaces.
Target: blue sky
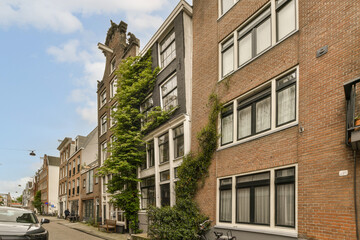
{"x":49,"y":67}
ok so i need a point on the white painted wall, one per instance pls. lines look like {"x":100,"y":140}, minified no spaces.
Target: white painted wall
{"x":53,"y":188}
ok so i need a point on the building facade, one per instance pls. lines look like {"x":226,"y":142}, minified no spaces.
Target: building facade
{"x":280,"y":171}
{"x":117,"y":47}
{"x":5,"y":199}
{"x":171,"y":48}
{"x":26,"y":195}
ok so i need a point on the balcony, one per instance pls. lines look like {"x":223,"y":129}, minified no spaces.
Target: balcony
{"x":352,"y":96}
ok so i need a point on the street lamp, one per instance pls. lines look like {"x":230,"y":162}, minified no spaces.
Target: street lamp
{"x":32,"y":153}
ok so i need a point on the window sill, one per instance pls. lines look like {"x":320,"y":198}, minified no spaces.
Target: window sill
{"x":253,"y":59}
{"x":164,"y":163}
{"x":164,"y":67}
{"x":258,"y":136}
{"x":179,"y":158}
{"x":279,"y":231}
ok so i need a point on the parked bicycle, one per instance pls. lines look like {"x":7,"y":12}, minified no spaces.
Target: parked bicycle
{"x":218,"y":235}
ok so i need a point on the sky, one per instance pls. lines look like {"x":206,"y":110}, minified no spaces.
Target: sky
{"x":49,"y":67}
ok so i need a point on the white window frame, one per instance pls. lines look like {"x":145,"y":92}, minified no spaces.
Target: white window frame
{"x":166,"y":81}
{"x":161,"y":64}
{"x":103,"y":98}
{"x":103,"y":124}
{"x":103,"y":153}
{"x":113,"y":87}
{"x":273,"y":121}
{"x":268,"y":229}
{"x":148,"y":110}
{"x":112,"y":120}
{"x":221,"y":12}
{"x":112,"y":65}
{"x":250,"y":22}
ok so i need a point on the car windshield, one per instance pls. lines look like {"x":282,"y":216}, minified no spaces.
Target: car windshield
{"x":19,"y":216}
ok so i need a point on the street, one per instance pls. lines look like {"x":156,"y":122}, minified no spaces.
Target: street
{"x":58,"y":231}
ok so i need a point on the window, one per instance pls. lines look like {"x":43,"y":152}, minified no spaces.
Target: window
{"x":103,"y":98}
{"x":151,"y":154}
{"x":165,"y":194}
{"x":254,"y":110}
{"x":167,"y":49}
{"x":103,"y":122}
{"x":286,"y":99}
{"x":179,"y":141}
{"x":227,"y":57}
{"x":73,"y":187}
{"x":112,"y":118}
{"x":225,"y":200}
{"x":285,"y":197}
{"x":253,"y":199}
{"x":164,"y":176}
{"x":90,"y":181}
{"x":78,"y":185}
{"x":84,"y":183}
{"x":254,"y":114}
{"x":285,"y":17}
{"x":78,"y":166}
{"x":69,"y":188}
{"x":104,"y":185}
{"x":113,"y":87}
{"x":103,"y":151}
{"x":113,"y":65}
{"x":147,"y":186}
{"x":74,"y":164}
{"x":164,"y":148}
{"x":176,"y":172}
{"x":145,"y":109}
{"x":227,"y":125}
{"x":169,"y":95}
{"x":255,"y":37}
{"x":226,"y":5}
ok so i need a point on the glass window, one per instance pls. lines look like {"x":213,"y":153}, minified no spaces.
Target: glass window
{"x":227,"y":125}
{"x":146,"y":108}
{"x":147,"y":186}
{"x":226,"y":5}
{"x":244,"y":122}
{"x":103,"y":151}
{"x":253,"y":199}
{"x":112,"y":65}
{"x":113,"y":87}
{"x":263,"y":36}
{"x":165,"y":194}
{"x":286,"y":99}
{"x":103,"y":122}
{"x":227,"y":57}
{"x":169,"y":94}
{"x":103,"y":98}
{"x":225,"y":200}
{"x":164,"y":148}
{"x":176,"y":172}
{"x":164,"y":176}
{"x":285,"y":197}
{"x":179,"y":141}
{"x":151,"y":154}
{"x":167,"y":49}
{"x":285,"y":18}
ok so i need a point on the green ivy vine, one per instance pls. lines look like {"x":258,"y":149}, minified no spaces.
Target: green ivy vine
{"x":136,"y":80}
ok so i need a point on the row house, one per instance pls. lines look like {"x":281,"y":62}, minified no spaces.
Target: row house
{"x":49,"y":184}
{"x":77,"y":156}
{"x":279,"y":66}
{"x":171,"y":48}
{"x":117,"y":47}
{"x":26,"y":195}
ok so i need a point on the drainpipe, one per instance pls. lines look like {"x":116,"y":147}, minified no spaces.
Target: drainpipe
{"x":355,"y":203}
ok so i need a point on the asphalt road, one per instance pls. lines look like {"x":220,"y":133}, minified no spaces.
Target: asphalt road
{"x":61,"y":232}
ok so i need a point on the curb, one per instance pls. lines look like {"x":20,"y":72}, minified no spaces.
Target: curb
{"x":92,"y":234}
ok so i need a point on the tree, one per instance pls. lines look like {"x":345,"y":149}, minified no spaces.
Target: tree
{"x":19,"y":199}
{"x":37,"y":201}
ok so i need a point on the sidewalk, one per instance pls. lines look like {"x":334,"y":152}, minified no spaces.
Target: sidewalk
{"x":88,"y":229}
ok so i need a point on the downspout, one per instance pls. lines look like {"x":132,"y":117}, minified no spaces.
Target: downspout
{"x":355,"y":203}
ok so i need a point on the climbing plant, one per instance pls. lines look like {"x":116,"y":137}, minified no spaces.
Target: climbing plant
{"x":183,"y":220}
{"x":136,"y":80}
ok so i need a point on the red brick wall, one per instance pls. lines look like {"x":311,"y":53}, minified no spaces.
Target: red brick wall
{"x":325,"y":200}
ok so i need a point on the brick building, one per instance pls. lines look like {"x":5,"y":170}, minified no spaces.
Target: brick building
{"x":281,"y":171}
{"x":117,"y":47}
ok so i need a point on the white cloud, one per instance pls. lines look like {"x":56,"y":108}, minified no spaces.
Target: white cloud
{"x":61,"y":16}
{"x":88,"y":112}
{"x":144,"y":21}
{"x":13,"y":187}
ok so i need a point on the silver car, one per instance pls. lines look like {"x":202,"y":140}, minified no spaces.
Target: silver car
{"x":20,"y":224}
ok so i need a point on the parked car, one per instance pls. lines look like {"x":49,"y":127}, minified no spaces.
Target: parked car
{"x":20,"y":224}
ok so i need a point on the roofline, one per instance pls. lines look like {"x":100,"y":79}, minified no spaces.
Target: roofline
{"x":182,"y":5}
{"x":63,"y":143}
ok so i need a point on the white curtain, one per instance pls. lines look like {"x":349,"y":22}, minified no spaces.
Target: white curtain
{"x":263,"y":36}
{"x":286,"y":105}
{"x":226,"y":5}
{"x":263,"y":115}
{"x":285,"y":205}
{"x":244,"y":118}
{"x":243,"y":205}
{"x":225,"y":205}
{"x":286,"y":19}
{"x":262,"y":206}
{"x":245,"y":49}
{"x":227,"y":129}
{"x":228,"y":61}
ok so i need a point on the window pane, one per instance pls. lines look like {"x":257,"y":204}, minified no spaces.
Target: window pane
{"x":179,"y":146}
{"x":262,"y":205}
{"x":226,"y":5}
{"x":244,"y":125}
{"x":144,"y":198}
{"x":169,"y":86}
{"x":164,"y":176}
{"x":165,"y":194}
{"x":228,"y":61}
{"x":286,"y":19}
{"x":285,"y":205}
{"x":227,"y":129}
{"x":263,"y":115}
{"x":170,"y":101}
{"x":245,"y":49}
{"x":164,"y":148}
{"x":225,"y":205}
{"x":286,"y":105}
{"x":243,"y":205}
{"x":263,"y":36}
